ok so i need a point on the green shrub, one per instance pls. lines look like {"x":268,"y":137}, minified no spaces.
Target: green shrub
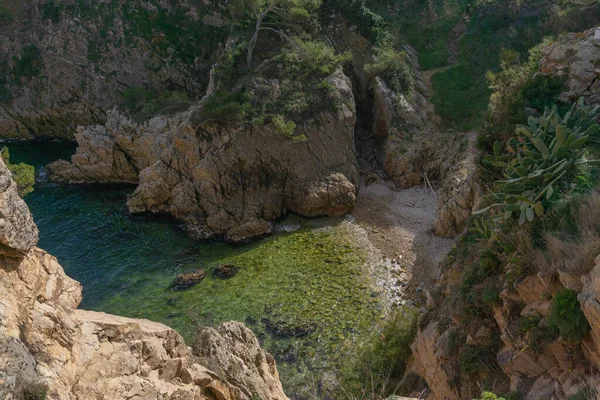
{"x":517,"y":86}
{"x":473,"y":359}
{"x":284,"y":127}
{"x":541,"y":159}
{"x":144,"y":103}
{"x":567,"y":316}
{"x":226,"y":106}
{"x":30,"y":64}
{"x":491,"y":294}
{"x":490,"y":396}
{"x":538,"y":334}
{"x":310,"y":57}
{"x":34,"y":391}
{"x":393,"y":67}
{"x":381,"y":362}
{"x":469,"y":359}
{"x":22,"y":174}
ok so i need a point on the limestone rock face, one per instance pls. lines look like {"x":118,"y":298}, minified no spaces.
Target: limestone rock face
{"x":233,"y":352}
{"x":406,"y":121}
{"x":460,"y":191}
{"x":65,"y":64}
{"x":549,"y":368}
{"x":574,"y":57}
{"x":417,"y":150}
{"x":224,"y":179}
{"x":18,"y":232}
{"x":81,"y":354}
{"x":427,"y":350}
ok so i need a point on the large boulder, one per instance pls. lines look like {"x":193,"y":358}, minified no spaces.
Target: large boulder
{"x":228,"y":179}
{"x":18,"y":232}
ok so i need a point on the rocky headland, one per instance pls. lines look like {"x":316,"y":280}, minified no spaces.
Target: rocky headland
{"x":48,"y":345}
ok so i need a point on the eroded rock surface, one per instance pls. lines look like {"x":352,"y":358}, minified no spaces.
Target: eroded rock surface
{"x":64,"y":64}
{"x":574,"y":57}
{"x":537,"y":367}
{"x":81,"y":354}
{"x":18,"y":232}
{"x":228,"y":179}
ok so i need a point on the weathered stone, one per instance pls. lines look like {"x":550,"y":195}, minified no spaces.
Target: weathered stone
{"x":428,"y":357}
{"x":188,"y":279}
{"x":45,"y":339}
{"x":227,"y":178}
{"x":225,"y":271}
{"x":18,"y":232}
{"x":84,"y":66}
{"x":233,"y":352}
{"x":574,"y":57}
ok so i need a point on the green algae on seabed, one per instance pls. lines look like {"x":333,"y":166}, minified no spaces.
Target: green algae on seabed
{"x":312,"y":283}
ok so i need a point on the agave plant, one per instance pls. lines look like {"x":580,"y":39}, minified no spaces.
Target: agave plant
{"x":540,"y":156}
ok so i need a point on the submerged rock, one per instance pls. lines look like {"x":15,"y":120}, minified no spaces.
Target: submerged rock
{"x":225,"y":271}
{"x":188,"y":279}
{"x":283,"y":329}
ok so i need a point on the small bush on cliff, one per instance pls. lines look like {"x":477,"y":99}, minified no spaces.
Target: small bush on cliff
{"x":393,"y":67}
{"x":309,"y":57}
{"x":538,"y":334}
{"x":284,"y":127}
{"x":30,"y":390}
{"x":30,"y":64}
{"x":22,"y":174}
{"x":515,"y":88}
{"x":381,"y":362}
{"x":144,"y":103}
{"x":473,"y":359}
{"x":567,"y":316}
{"x":226,"y":106}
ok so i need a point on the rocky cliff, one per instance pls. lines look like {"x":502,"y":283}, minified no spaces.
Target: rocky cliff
{"x":47,"y":344}
{"x":65,"y":63}
{"x":498,"y":331}
{"x":220,"y":178}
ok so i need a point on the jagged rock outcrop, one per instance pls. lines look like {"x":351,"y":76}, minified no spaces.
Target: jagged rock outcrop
{"x":538,"y":367}
{"x":574,"y":57}
{"x":65,"y":63}
{"x":460,"y":191}
{"x":407,"y":122}
{"x":428,"y":353}
{"x":18,"y":232}
{"x":228,"y":179}
{"x":81,"y":354}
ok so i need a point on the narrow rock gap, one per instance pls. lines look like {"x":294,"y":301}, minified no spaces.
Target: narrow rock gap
{"x":369,"y":148}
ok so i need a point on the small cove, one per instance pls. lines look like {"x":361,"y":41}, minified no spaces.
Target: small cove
{"x":305,"y":294}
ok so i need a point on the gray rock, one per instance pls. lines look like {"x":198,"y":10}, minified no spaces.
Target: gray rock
{"x":18,"y":232}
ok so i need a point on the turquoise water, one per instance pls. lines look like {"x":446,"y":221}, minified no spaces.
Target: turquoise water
{"x":305,"y":294}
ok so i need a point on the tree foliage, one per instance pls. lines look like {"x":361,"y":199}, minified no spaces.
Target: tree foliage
{"x":279,"y":16}
{"x":23,"y":174}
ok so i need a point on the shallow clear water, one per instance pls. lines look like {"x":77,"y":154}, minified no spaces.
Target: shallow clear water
{"x":305,"y":294}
